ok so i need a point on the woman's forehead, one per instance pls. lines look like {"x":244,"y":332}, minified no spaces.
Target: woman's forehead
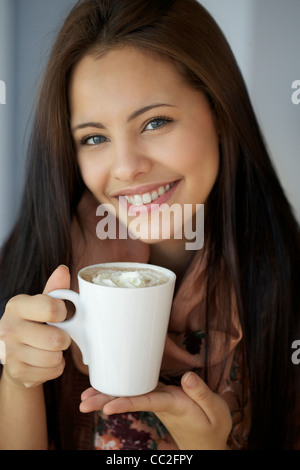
{"x":124,"y":77}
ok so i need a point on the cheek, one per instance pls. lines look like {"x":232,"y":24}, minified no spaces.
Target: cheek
{"x":194,"y":153}
{"x":197,"y":159}
{"x":93,"y":175}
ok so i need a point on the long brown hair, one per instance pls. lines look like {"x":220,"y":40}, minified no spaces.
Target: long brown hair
{"x":252,"y":238}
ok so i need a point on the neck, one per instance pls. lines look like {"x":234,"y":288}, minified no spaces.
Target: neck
{"x":171,"y":255}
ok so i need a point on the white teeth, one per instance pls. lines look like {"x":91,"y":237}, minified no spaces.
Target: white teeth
{"x":154,"y":195}
{"x":146,"y":198}
{"x":139,"y":199}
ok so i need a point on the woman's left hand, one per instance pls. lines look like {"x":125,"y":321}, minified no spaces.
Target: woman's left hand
{"x":196,"y":417}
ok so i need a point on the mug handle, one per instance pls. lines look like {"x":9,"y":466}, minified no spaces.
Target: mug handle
{"x":74,"y":327}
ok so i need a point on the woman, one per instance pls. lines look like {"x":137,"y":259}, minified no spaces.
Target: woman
{"x":127,"y":106}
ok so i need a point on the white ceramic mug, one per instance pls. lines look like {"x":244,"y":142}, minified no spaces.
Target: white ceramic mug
{"x":120,"y":331}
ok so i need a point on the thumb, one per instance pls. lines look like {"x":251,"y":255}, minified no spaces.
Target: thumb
{"x":211,"y":403}
{"x":59,"y":279}
{"x":197,"y":389}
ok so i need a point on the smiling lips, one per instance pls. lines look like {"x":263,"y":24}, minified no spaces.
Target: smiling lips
{"x":147,"y":198}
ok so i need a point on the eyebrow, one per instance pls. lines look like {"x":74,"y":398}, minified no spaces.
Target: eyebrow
{"x":133,"y":116}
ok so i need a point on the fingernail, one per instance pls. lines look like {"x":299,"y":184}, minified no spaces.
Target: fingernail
{"x":64,"y":266}
{"x":191,"y":380}
{"x":83,"y":409}
{"x":2,"y":352}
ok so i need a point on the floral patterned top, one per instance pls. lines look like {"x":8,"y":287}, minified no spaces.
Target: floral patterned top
{"x":131,"y":431}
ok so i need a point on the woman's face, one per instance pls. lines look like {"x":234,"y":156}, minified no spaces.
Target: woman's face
{"x":145,"y":139}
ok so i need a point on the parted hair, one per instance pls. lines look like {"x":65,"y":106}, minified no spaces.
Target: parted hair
{"x":251,"y":234}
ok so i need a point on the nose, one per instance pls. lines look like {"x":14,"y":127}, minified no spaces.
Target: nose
{"x":129,"y":162}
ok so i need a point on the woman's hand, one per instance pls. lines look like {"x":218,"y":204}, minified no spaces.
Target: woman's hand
{"x":33,"y":349}
{"x":196,"y":417}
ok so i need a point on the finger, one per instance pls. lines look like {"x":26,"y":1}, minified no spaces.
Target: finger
{"x":157,"y":401}
{"x":44,"y":337}
{"x":38,"y":357}
{"x":59,"y":279}
{"x":38,"y":308}
{"x":27,"y":374}
{"x":2,"y":352}
{"x":94,"y":401}
{"x":88,"y":393}
{"x":197,"y":389}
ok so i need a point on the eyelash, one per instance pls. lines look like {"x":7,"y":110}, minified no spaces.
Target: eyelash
{"x":84,"y":140}
{"x":167,"y":120}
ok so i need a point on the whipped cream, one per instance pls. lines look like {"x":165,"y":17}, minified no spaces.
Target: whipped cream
{"x":130,"y":278}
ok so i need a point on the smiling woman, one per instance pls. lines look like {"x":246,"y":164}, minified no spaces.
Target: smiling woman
{"x":133,"y":114}
{"x":140,"y":154}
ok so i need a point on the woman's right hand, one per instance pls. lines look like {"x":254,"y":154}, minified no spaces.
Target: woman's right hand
{"x":34,"y":350}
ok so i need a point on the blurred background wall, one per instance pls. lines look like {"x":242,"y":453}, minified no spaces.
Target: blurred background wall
{"x":264,"y":35}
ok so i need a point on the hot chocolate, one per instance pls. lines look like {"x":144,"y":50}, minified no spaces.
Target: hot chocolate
{"x":117,"y":276}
